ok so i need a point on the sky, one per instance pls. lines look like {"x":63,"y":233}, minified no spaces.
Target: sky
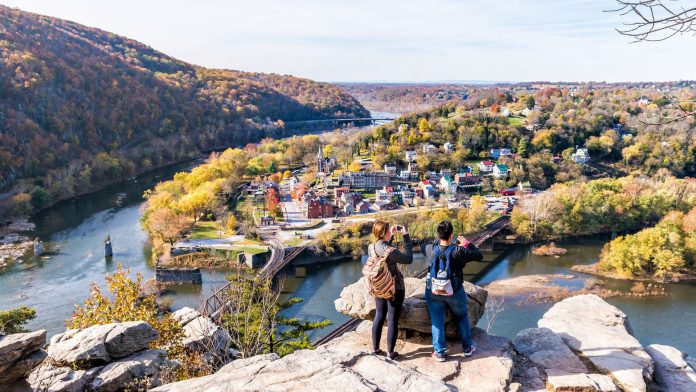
{"x":390,"y":40}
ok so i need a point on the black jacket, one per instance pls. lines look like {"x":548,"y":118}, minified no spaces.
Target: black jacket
{"x":460,"y":256}
{"x":396,"y":256}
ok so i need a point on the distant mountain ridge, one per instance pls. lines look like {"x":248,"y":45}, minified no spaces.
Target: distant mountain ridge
{"x":70,"y":92}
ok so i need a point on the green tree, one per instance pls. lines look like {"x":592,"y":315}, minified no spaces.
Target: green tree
{"x":254,"y":318}
{"x":40,"y":198}
{"x":13,"y":320}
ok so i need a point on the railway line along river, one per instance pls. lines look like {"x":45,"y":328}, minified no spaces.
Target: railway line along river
{"x":73,"y":232}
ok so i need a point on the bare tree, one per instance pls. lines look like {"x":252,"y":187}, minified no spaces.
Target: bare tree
{"x":655,"y":20}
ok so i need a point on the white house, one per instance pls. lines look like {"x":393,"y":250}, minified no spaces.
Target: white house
{"x":525,"y":187}
{"x":500,"y":171}
{"x":526,"y":111}
{"x":429,"y":149}
{"x":411,"y":156}
{"x":448,"y":185}
{"x":390,"y":169}
{"x":449,"y":147}
{"x":505,"y":112}
{"x":581,"y":155}
{"x":486,"y":166}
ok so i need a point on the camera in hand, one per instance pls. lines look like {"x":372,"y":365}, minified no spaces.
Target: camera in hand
{"x":399,"y":228}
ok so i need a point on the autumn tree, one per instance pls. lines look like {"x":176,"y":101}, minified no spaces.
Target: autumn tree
{"x":127,"y":301}
{"x":272,"y":203}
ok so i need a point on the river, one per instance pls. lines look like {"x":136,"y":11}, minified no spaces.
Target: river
{"x":669,"y":319}
{"x":74,"y":232}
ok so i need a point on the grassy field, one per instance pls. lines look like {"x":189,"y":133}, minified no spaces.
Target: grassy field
{"x":293,"y":241}
{"x":516,"y":121}
{"x":252,"y":250}
{"x":208,"y":230}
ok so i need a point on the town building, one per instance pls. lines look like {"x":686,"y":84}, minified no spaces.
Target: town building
{"x":445,"y":172}
{"x":500,"y":171}
{"x":429,"y":192}
{"x":314,"y":206}
{"x":390,"y":170}
{"x":467,"y":181}
{"x":411,"y":156}
{"x":348,"y":209}
{"x":338,"y":192}
{"x":429,"y":149}
{"x":449,"y":147}
{"x":486,"y":167}
{"x":581,"y":155}
{"x":385,"y":193}
{"x":500,"y":152}
{"x":367,"y":180}
{"x":385,"y":205}
{"x":362,"y":208}
{"x":525,"y":187}
{"x":448,"y":185}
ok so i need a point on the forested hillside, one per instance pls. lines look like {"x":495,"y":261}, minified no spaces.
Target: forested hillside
{"x":80,"y":107}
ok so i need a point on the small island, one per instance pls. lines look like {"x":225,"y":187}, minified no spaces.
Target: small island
{"x":549,"y":250}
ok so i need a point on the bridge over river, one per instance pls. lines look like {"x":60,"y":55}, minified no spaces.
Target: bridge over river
{"x":478,"y":238}
{"x":215,"y":304}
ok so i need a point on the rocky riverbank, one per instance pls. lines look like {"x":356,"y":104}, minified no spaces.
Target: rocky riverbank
{"x":594,"y":269}
{"x":581,"y":344}
{"x":13,"y":246}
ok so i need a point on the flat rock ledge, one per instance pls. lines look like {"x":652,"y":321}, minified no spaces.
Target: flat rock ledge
{"x":347,"y":365}
{"x":356,"y":301}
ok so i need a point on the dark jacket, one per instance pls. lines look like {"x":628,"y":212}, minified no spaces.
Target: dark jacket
{"x":404,"y":256}
{"x":460,"y":256}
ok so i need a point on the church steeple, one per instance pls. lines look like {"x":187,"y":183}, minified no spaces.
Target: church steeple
{"x":320,"y":160}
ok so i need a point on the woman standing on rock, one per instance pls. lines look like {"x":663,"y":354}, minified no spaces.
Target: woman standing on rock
{"x":386,"y":282}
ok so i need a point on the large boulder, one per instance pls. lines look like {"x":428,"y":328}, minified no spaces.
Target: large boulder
{"x":323,"y":369}
{"x":100,"y":344}
{"x":200,"y":332}
{"x":20,"y":353}
{"x":104,"y":358}
{"x":139,"y":371}
{"x":356,"y":301}
{"x":50,"y":378}
{"x":602,"y":334}
{"x":547,"y":350}
{"x":672,"y":372}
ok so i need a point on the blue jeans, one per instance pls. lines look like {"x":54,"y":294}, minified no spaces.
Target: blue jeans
{"x":437,"y":306}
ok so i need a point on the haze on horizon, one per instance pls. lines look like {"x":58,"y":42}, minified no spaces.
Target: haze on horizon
{"x":392,"y":40}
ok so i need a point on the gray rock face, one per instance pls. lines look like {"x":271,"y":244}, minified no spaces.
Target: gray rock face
{"x":357,"y":302}
{"x":323,"y":369}
{"x":490,"y":369}
{"x":547,"y":350}
{"x":672,"y":372}
{"x":143,"y":368}
{"x":601,"y":333}
{"x":127,"y":338}
{"x":105,"y":358}
{"x":100,"y":344}
{"x":50,"y":378}
{"x":200,"y":331}
{"x":20,"y":353}
{"x":560,"y":381}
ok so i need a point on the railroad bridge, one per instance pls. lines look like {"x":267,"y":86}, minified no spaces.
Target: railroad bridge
{"x":215,"y":304}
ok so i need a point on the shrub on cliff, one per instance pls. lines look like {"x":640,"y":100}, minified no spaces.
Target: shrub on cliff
{"x":128,"y":302}
{"x":13,"y":320}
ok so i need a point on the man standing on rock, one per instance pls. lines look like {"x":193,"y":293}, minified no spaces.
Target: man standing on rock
{"x":444,"y":287}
